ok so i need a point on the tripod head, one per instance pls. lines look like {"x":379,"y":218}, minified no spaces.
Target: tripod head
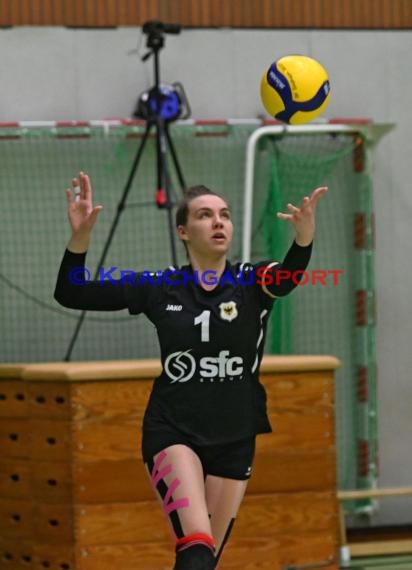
{"x":155,"y":31}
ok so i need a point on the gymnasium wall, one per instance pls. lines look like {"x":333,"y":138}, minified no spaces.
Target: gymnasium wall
{"x":63,"y":74}
{"x":371,"y":14}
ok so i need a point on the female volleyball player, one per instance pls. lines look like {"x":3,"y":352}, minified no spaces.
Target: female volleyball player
{"x":207,"y":405}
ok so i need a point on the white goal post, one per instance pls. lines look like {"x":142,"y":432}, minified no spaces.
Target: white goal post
{"x":371,"y":131}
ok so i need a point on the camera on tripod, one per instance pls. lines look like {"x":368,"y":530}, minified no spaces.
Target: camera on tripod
{"x":154,"y":27}
{"x":168,"y":102}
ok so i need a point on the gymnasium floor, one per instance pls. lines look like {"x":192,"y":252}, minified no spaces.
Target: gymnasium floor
{"x":379,"y":535}
{"x":381,"y":563}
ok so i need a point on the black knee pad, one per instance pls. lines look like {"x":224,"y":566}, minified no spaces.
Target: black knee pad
{"x":195,"y":557}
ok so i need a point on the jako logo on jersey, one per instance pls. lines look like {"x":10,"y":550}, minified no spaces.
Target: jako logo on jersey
{"x":181,"y":366}
{"x":174,"y":307}
{"x":228,"y":311}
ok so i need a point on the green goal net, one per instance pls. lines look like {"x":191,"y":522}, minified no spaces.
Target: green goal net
{"x":37,"y":164}
{"x":332,"y":313}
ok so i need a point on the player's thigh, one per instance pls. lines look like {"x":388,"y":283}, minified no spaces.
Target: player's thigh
{"x":177,"y":476}
{"x":224,"y":497}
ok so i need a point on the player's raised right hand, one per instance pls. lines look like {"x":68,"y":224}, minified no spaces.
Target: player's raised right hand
{"x":82,"y":215}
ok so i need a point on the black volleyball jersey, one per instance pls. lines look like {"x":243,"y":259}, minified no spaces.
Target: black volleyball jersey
{"x":211,"y":342}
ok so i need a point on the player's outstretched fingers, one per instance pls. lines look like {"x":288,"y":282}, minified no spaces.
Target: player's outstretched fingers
{"x":87,"y":187}
{"x":95,"y":212}
{"x":283,"y":216}
{"x":318,"y":193}
{"x":292,"y":209}
{"x":69,"y":196}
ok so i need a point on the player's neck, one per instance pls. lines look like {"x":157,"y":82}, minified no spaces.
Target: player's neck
{"x":217,"y":264}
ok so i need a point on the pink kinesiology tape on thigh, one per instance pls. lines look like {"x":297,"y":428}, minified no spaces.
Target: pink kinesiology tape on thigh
{"x":159,"y":472}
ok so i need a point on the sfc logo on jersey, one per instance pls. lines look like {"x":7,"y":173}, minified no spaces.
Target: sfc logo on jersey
{"x":228,"y":311}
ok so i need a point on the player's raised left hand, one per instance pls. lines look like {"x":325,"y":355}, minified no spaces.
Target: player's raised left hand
{"x":303,"y":217}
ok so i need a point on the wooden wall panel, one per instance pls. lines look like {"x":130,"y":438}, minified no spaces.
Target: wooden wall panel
{"x":14,"y":438}
{"x":13,"y":399}
{"x":53,"y":523}
{"x":90,"y":400}
{"x":15,"y":479}
{"x":46,"y":555}
{"x":368,"y":14}
{"x":50,"y":440}
{"x":51,"y":482}
{"x":111,"y":482}
{"x":16,"y":519}
{"x":49,"y":401}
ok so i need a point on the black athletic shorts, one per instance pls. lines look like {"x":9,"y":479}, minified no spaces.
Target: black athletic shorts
{"x":230,"y":460}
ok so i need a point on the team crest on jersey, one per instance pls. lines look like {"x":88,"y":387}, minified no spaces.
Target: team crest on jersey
{"x":228,"y":311}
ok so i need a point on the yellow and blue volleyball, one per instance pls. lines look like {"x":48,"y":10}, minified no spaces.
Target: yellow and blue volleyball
{"x":295,"y":89}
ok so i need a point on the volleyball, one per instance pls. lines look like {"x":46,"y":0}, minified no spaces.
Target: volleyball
{"x":295,"y":89}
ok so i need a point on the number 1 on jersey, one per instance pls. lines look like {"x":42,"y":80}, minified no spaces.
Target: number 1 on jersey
{"x":203,"y":319}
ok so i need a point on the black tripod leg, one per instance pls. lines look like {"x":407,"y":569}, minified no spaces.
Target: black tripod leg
{"x":122,"y":202}
{"x":164,"y":183}
{"x":120,"y":208}
{"x":174,"y":157}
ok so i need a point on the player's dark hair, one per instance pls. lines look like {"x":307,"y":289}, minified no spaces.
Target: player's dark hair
{"x":190,"y":194}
